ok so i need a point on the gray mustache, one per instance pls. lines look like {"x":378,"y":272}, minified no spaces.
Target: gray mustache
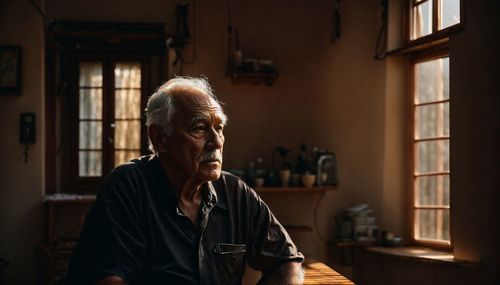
{"x":211,"y":155}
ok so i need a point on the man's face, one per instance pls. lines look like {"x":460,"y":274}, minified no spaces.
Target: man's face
{"x":195,"y":146}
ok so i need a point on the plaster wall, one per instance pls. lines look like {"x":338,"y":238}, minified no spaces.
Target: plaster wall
{"x":21,"y":184}
{"x":346,"y":112}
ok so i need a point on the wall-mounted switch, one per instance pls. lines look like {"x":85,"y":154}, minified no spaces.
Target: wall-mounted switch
{"x":27,"y":130}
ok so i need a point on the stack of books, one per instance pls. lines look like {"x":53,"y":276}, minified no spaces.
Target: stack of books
{"x":357,"y":223}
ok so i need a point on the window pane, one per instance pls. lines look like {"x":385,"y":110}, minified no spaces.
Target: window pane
{"x":128,"y":104}
{"x":432,"y":120}
{"x":432,"y":224}
{"x":128,"y":75}
{"x":432,"y":190}
{"x":421,"y":20}
{"x":89,"y":163}
{"x":432,"y":80}
{"x":90,"y":135}
{"x":122,"y":156}
{"x":90,"y":104}
{"x":90,"y":74}
{"x":450,"y":13}
{"x":128,"y":134}
{"x":432,"y":156}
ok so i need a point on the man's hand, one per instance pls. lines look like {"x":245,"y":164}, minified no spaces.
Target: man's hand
{"x":286,"y":274}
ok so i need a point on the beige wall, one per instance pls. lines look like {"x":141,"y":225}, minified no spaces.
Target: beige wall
{"x":21,"y":185}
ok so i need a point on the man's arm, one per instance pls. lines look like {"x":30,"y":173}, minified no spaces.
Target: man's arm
{"x":287,"y":273}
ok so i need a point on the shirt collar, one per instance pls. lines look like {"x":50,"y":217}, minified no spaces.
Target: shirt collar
{"x":212,"y":194}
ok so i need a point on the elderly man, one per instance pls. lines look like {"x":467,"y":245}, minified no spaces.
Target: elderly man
{"x":175,"y":217}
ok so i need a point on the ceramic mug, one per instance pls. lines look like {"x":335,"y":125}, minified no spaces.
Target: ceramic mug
{"x":285,"y":177}
{"x":308,"y":180}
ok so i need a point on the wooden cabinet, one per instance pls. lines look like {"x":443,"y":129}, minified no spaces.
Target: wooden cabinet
{"x":64,"y":218}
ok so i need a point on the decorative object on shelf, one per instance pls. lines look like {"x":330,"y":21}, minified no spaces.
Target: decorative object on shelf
{"x":303,"y":159}
{"x":10,"y":70}
{"x":295,"y":180}
{"x":326,"y":168}
{"x":318,"y":166}
{"x":246,"y":70}
{"x":259,"y":182}
{"x":285,"y":177}
{"x":357,"y":223}
{"x":285,"y":171}
{"x":308,"y":180}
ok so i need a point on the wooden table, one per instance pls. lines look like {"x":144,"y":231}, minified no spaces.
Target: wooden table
{"x":320,"y":273}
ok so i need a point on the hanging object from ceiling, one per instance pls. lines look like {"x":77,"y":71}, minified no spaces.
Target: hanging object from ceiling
{"x":336,"y":20}
{"x":381,"y":45}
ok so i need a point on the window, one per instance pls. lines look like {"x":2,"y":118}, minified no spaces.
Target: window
{"x":99,"y":75}
{"x":430,"y":22}
{"x":431,"y":151}
{"x":109,"y":115}
{"x":433,"y":17}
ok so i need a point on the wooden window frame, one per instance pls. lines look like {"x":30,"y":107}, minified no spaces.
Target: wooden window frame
{"x":436,"y":34}
{"x":432,"y":46}
{"x":69,"y":40}
{"x":417,"y":58}
{"x":90,"y":184}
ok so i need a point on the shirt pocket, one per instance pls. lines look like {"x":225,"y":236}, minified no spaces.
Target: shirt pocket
{"x":230,"y":261}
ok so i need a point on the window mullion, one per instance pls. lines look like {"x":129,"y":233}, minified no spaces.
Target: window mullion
{"x":436,"y":11}
{"x":108,"y":117}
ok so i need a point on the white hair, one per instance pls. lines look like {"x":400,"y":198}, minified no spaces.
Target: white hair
{"x":160,"y":108}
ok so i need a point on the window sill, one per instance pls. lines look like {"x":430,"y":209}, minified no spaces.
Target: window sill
{"x":421,"y":46}
{"x":421,"y":254}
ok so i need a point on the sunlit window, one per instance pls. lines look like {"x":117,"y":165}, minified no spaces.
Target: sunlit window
{"x":431,"y":150}
{"x":431,"y":16}
{"x":108,"y":138}
{"x":90,"y":119}
{"x":127,"y":131}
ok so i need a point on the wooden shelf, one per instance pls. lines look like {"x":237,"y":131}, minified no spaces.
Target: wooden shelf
{"x":321,"y":189}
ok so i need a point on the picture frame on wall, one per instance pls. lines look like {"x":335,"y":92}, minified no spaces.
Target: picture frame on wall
{"x":10,"y":70}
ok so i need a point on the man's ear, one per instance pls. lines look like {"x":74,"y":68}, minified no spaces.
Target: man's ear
{"x":157,"y":137}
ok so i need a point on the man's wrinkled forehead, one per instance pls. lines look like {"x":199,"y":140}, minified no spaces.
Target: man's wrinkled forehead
{"x":197,"y":102}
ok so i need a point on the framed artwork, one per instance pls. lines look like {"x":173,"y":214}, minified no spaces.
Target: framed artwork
{"x":10,"y":70}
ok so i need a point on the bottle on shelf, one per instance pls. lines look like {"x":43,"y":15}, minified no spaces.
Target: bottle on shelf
{"x":237,"y":55}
